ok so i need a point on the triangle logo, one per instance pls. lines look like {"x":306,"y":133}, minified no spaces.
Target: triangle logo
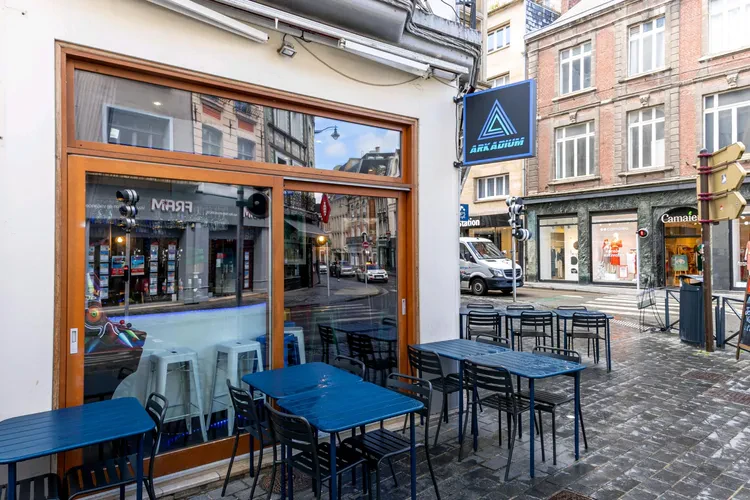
{"x":497,"y":125}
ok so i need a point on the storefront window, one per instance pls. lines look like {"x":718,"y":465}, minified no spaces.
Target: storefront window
{"x":176,"y":301}
{"x":130,"y":113}
{"x":340,"y":278}
{"x":614,"y":247}
{"x":683,"y":252}
{"x":741,"y":246}
{"x":558,"y":249}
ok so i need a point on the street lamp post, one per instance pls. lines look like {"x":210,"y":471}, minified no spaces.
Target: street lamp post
{"x":335,"y":135}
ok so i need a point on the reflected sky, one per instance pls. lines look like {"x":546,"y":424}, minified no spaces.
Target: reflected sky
{"x":355,"y":140}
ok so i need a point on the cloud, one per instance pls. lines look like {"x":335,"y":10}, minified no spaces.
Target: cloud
{"x":337,"y":150}
{"x":388,"y":140}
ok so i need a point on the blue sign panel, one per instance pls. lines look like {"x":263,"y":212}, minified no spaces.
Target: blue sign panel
{"x":499,"y":123}
{"x":464,"y":212}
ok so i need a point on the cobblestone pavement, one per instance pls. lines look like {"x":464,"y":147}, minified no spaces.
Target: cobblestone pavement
{"x":669,"y":422}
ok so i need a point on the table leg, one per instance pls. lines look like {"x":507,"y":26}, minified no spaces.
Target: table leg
{"x":460,"y":325}
{"x":290,"y":473}
{"x":139,"y":471}
{"x":565,"y":332}
{"x":474,"y":422}
{"x":531,"y":427}
{"x":334,"y":482}
{"x":413,"y":433}
{"x":608,"y":341}
{"x":11,"y":481}
{"x":577,"y":409}
{"x":460,"y":402}
{"x":558,"y":332}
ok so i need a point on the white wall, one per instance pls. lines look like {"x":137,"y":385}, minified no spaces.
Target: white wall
{"x":134,"y":27}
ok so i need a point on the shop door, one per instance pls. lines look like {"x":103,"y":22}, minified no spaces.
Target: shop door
{"x":682,"y":251}
{"x":155,"y":305}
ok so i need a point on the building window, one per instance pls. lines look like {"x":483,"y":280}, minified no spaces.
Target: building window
{"x":492,"y":187}
{"x":211,"y":141}
{"x":498,"y":38}
{"x":558,"y":249}
{"x":280,"y":158}
{"x":245,"y":149}
{"x":132,"y":128}
{"x":575,"y":68}
{"x":727,"y":22}
{"x":647,"y":46}
{"x":281,"y":119}
{"x":741,"y":249}
{"x":726,"y":119}
{"x":298,"y":129}
{"x":574,"y":153}
{"x":614,"y":247}
{"x":646,"y":138}
{"x":501,"y":80}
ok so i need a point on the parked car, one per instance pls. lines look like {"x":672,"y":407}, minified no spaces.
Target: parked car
{"x":483,"y":267}
{"x":373,"y":272}
{"x":323,"y":268}
{"x":342,"y":269}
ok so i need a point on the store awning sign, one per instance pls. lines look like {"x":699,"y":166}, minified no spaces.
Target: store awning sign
{"x":500,"y":124}
{"x":464,"y":212}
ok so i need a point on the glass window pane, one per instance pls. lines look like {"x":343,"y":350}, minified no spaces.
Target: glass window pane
{"x":647,"y":136}
{"x":507,"y":35}
{"x":660,"y":112}
{"x":558,"y":161}
{"x":576,"y":51}
{"x":356,"y":261}
{"x":558,"y":250}
{"x":659,"y":131}
{"x":587,"y":47}
{"x":559,"y":133}
{"x":635,"y":139}
{"x":565,"y":78}
{"x":569,"y":158}
{"x":635,"y":30}
{"x":581,"y":156}
{"x":736,"y":97}
{"x":647,"y":56}
{"x":490,"y":188}
{"x":708,"y":141}
{"x":119,"y":111}
{"x":245,"y":149}
{"x":480,"y":188}
{"x":592,"y":165}
{"x":198,"y":282}
{"x":634,"y":57}
{"x":564,"y":54}
{"x":613,"y":244}
{"x":587,"y":72}
{"x":743,"y":124}
{"x":710,"y":101}
{"x":659,"y":48}
{"x":660,"y":22}
{"x":725,"y":128}
{"x":648,"y":26}
{"x":576,"y":74}
{"x":574,"y":130}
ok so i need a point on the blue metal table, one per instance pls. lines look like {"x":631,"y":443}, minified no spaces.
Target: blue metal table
{"x":295,"y":379}
{"x":533,"y":367}
{"x":567,"y":315}
{"x":464,"y":311}
{"x":46,"y":433}
{"x":459,"y":350}
{"x":338,"y":408}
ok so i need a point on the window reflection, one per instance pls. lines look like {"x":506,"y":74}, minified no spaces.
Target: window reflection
{"x":131,"y":113}
{"x":341,"y":287}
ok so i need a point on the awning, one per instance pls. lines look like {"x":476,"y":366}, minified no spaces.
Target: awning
{"x":304,"y":227}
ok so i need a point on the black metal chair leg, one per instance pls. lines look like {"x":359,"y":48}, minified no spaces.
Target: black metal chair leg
{"x":231,"y":462}
{"x":122,"y":492}
{"x":260,"y":465}
{"x":393,"y":472}
{"x":541,"y":433}
{"x":583,"y":429}
{"x":510,"y":450}
{"x":444,"y":409}
{"x":437,"y":432}
{"x":554,"y":440}
{"x":499,"y":428}
{"x":509,"y":428}
{"x":432,"y":472}
{"x":273,"y":478}
{"x":377,"y":483}
{"x":252,"y":455}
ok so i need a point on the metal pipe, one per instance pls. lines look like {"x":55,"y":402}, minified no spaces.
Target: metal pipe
{"x":703,"y":173}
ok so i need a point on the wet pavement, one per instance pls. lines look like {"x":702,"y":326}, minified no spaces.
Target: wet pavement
{"x":669,"y":421}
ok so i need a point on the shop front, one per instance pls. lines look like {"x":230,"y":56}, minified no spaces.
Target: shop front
{"x":494,"y":227}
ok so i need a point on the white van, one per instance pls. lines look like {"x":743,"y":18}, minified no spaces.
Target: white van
{"x":484,"y":267}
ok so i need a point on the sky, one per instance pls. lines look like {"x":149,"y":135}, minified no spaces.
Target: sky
{"x":355,"y":140}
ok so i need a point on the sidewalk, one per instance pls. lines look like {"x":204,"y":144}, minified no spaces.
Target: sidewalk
{"x":345,"y":290}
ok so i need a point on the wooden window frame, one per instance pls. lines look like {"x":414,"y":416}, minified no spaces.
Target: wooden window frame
{"x":70,"y":195}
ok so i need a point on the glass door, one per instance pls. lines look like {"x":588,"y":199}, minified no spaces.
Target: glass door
{"x":174,"y":291}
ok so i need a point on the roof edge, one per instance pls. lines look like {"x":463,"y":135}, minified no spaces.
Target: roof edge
{"x":598,"y":10}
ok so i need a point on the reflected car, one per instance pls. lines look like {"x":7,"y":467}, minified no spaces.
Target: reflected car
{"x":373,"y":272}
{"x":323,"y":268}
{"x":342,"y":269}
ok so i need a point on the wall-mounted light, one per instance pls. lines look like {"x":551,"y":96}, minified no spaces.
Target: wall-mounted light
{"x":157,"y":103}
{"x":287,"y":49}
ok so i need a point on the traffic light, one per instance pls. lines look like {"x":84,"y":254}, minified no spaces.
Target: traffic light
{"x":516,"y":208}
{"x":725,"y":176}
{"x":128,"y":209}
{"x":642,"y":232}
{"x":521,"y":234}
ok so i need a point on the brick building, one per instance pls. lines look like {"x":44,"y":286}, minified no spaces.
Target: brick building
{"x":628,"y":93}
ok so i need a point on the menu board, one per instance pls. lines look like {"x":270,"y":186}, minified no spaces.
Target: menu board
{"x":744,"y":342}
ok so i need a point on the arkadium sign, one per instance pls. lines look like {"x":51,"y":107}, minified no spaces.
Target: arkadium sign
{"x":500,"y":123}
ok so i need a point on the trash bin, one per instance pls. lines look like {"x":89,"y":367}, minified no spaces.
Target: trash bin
{"x":691,"y":309}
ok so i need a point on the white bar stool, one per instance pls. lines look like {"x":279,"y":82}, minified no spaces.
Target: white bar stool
{"x":179,"y":359}
{"x":237,"y":354}
{"x":298,"y":332}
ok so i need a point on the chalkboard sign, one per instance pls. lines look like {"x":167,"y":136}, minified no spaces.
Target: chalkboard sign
{"x":744,"y":342}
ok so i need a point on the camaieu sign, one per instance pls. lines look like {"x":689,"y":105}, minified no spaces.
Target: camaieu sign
{"x":500,"y":123}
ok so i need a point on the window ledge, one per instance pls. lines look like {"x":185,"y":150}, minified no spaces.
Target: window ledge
{"x":645,"y":171}
{"x":574,"y":94}
{"x":490,"y":200}
{"x":717,"y":55}
{"x":642,"y":75}
{"x":489,"y":53}
{"x":573,"y":180}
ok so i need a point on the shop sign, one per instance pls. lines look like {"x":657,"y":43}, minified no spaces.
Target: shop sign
{"x":690,"y":215}
{"x":166,"y":205}
{"x":470,"y":223}
{"x":499,"y":123}
{"x":325,"y":208}
{"x":463,"y":212}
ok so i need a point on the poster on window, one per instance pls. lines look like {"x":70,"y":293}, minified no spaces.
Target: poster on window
{"x":680,"y":263}
{"x":104,"y":253}
{"x":138,"y":265}
{"x":92,"y":253}
{"x":170,"y":277}
{"x":152,"y":289}
{"x":103,"y":293}
{"x":170,"y":266}
{"x":153,"y":252}
{"x":103,"y":270}
{"x":90,"y":268}
{"x":118,"y":265}
{"x":170,"y":288}
{"x":153,"y":266}
{"x":172,"y":251}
